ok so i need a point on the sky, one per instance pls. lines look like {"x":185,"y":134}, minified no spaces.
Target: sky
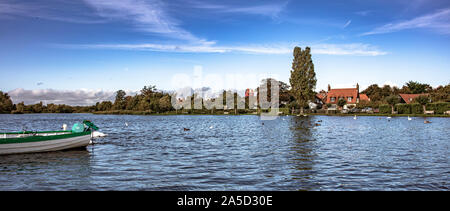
{"x":80,"y":52}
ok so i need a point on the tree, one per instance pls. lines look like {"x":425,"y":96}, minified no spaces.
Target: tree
{"x":422,"y":100}
{"x":132,"y":102}
{"x":341,"y":102}
{"x":6,"y":105}
{"x":148,"y":91}
{"x":104,"y":106}
{"x":373,"y":92}
{"x":303,"y":78}
{"x":165,"y":103}
{"x":413,"y":87}
{"x":120,"y":102}
{"x":37,"y":108}
{"x":20,"y":108}
{"x":392,"y":100}
{"x":284,"y":94}
{"x":441,"y":94}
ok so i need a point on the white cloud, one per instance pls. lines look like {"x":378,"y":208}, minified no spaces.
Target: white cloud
{"x":438,"y":21}
{"x":69,"y":97}
{"x":328,"y":49}
{"x":346,"y":24}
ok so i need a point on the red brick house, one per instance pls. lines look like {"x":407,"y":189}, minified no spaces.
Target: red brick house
{"x":350,"y":95}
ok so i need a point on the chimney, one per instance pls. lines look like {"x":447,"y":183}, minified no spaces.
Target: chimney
{"x":357,"y":87}
{"x":329,"y":87}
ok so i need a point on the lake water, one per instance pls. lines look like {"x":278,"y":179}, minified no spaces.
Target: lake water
{"x":236,"y":153}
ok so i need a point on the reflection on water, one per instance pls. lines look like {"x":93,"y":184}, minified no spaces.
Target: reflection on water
{"x":236,"y":153}
{"x":303,"y":147}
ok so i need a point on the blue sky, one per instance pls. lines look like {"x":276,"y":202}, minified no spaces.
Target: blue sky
{"x":105,"y":45}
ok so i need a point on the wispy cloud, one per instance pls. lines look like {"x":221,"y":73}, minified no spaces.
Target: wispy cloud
{"x":41,"y":11}
{"x":363,"y":12}
{"x":346,"y":24}
{"x":438,"y":21}
{"x":149,"y":16}
{"x":272,"y":10}
{"x":356,"y":49}
{"x":328,"y":49}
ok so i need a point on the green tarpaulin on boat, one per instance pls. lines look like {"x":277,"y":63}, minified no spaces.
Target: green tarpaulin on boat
{"x":78,"y":128}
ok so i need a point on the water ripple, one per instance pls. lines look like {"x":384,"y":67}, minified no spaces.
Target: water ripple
{"x":236,"y":153}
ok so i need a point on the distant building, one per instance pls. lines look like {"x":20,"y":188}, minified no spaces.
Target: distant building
{"x":249,"y":92}
{"x":350,"y":95}
{"x":409,"y":98}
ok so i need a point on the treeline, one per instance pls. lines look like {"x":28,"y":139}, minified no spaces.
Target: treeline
{"x":7,"y":107}
{"x":387,"y":99}
{"x":150,"y":100}
{"x":376,"y":93}
{"x":390,"y":95}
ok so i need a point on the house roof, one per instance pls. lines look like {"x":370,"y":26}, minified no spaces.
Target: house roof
{"x":364,"y":97}
{"x":321,"y":95}
{"x":344,"y":93}
{"x":409,"y":98}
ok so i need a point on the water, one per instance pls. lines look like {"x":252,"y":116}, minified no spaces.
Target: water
{"x":237,"y":153}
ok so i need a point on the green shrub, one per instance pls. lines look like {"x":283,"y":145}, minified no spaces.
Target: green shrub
{"x":385,"y":109}
{"x":439,"y":107}
{"x":403,"y":108}
{"x":416,"y":108}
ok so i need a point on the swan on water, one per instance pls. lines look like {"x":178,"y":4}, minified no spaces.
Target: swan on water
{"x":96,"y":134}
{"x":354,"y":117}
{"x":409,"y":118}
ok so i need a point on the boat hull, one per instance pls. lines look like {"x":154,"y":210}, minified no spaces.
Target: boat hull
{"x":45,"y":146}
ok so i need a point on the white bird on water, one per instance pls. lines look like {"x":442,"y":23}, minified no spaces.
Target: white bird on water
{"x":211,"y":127}
{"x":409,"y":118}
{"x":354,"y":117}
{"x":126,"y":124}
{"x":388,"y":117}
{"x":96,"y":134}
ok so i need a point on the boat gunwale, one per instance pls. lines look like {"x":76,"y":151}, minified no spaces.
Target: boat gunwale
{"x":33,"y":132}
{"x":41,"y":138}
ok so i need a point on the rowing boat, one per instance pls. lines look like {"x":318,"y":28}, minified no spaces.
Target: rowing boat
{"x":46,"y":141}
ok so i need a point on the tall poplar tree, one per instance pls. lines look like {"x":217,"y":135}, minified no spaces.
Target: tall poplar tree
{"x":303,"y":78}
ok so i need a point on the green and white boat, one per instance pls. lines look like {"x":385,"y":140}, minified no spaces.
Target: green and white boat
{"x":47,"y":141}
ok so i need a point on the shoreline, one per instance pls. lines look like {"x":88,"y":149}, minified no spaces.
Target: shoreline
{"x":232,"y":114}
